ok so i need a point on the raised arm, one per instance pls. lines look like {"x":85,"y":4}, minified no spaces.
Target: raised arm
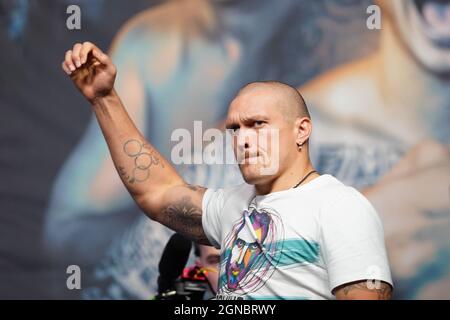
{"x":150,"y":179}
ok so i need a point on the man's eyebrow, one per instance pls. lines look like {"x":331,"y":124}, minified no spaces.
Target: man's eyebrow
{"x":231,"y":125}
{"x":248,"y":119}
{"x":256,"y":117}
{"x":213,"y":258}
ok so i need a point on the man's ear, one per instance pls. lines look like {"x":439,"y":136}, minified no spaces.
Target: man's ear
{"x":303,"y":129}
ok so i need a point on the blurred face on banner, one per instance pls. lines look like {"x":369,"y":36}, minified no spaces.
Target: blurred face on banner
{"x":423,"y":26}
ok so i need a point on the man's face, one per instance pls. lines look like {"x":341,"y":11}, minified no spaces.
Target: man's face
{"x":424,"y":26}
{"x":263,"y":140}
{"x":210,"y":259}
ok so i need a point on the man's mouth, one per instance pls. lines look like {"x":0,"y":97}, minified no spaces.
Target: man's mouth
{"x":234,"y":270}
{"x":434,"y":16}
{"x":248,"y":158}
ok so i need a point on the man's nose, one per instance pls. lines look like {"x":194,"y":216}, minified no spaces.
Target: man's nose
{"x":246,"y":139}
{"x":242,"y":254}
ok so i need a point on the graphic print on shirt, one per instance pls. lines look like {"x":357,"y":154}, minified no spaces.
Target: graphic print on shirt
{"x":252,"y":251}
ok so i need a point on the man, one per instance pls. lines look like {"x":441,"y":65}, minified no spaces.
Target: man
{"x":287,"y":233}
{"x":89,"y":209}
{"x":207,"y":260}
{"x":383,"y":126}
{"x":166,"y":48}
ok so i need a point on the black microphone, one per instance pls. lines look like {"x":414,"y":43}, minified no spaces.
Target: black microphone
{"x":173,"y":260}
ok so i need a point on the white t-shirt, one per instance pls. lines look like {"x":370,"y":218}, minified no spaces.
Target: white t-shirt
{"x":295,"y":244}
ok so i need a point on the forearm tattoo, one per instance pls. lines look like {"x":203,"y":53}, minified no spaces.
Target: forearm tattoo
{"x":185,"y":218}
{"x":383,"y":292}
{"x":144,"y":158}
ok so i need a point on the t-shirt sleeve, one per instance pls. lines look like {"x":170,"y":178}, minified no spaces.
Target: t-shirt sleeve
{"x":353,"y":241}
{"x":212,"y":205}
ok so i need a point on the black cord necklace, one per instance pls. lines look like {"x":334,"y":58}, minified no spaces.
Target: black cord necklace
{"x":301,"y":181}
{"x":304,"y":178}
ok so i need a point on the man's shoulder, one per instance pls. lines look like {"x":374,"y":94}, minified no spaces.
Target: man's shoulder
{"x":342,"y":97}
{"x":163,"y":23}
{"x":342,"y":201}
{"x":336,"y":87}
{"x":334,"y":192}
{"x":237,"y":193}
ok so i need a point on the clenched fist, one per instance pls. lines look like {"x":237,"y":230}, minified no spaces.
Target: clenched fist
{"x":91,"y":70}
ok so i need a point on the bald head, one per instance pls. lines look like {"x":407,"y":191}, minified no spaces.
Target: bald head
{"x":269,"y":123}
{"x":290,"y":102}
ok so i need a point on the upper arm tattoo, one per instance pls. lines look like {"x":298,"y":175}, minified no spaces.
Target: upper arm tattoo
{"x":352,"y":290}
{"x":185,"y":217}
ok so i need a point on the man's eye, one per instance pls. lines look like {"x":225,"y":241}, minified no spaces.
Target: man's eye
{"x":213,"y":260}
{"x":259,"y":123}
{"x":234,"y":130}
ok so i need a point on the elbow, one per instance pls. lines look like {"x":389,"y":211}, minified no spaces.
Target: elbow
{"x":152,"y":202}
{"x":144,"y":203}
{"x":148,"y":203}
